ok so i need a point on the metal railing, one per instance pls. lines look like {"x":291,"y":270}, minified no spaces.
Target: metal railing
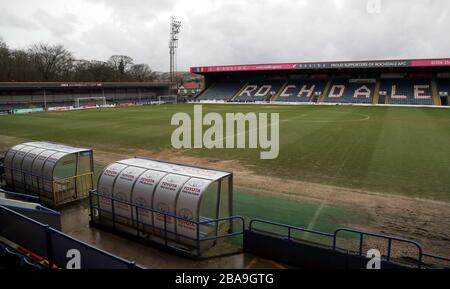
{"x":380,"y":236}
{"x":334,"y":237}
{"x":53,"y":192}
{"x":289,"y":229}
{"x":53,"y":245}
{"x":15,"y":258}
{"x":168,"y":219}
{"x":72,"y":188}
{"x":25,"y":197}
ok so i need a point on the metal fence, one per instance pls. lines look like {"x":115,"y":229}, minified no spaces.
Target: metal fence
{"x":185,"y":244}
{"x":53,"y":246}
{"x":72,"y":188}
{"x":333,"y":237}
{"x":53,"y":192}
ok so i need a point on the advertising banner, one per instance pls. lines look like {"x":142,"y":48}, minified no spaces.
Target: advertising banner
{"x":188,"y":206}
{"x":60,"y":108}
{"x":27,"y":110}
{"x":165,"y":199}
{"x":122,"y":191}
{"x":432,"y":62}
{"x":143,"y":193}
{"x":324,"y":65}
{"x":105,"y":185}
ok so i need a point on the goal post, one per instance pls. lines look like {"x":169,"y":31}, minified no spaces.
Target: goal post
{"x":99,"y":101}
{"x":162,"y":99}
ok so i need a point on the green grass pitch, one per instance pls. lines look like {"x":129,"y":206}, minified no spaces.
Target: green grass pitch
{"x":391,"y":150}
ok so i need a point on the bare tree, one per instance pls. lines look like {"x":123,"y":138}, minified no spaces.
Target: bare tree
{"x":22,"y":67}
{"x":52,"y":62}
{"x":5,"y":61}
{"x":121,"y":63}
{"x":141,"y":72}
{"x":44,"y":62}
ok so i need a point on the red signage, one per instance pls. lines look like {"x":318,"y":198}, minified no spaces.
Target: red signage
{"x":431,"y":62}
{"x":324,"y":65}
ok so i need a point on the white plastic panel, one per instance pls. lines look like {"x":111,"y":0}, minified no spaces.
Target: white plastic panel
{"x":47,"y":170}
{"x":27,"y":165}
{"x":18,"y":176}
{"x":159,"y":186}
{"x":164,"y":199}
{"x":9,"y":160}
{"x":56,"y":147}
{"x":105,"y":185}
{"x":149,"y":164}
{"x":199,"y":173}
{"x":143,"y":192}
{"x":188,"y":206}
{"x":30,"y":167}
{"x":123,"y":189}
{"x":176,"y":169}
{"x":38,"y":166}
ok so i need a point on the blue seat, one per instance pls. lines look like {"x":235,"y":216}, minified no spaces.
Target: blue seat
{"x":401,"y":91}
{"x":444,"y":87}
{"x":342,"y":91}
{"x":260,"y":90}
{"x":305,"y":90}
{"x":222,"y":91}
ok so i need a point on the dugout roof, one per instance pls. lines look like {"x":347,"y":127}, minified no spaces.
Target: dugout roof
{"x":37,"y":159}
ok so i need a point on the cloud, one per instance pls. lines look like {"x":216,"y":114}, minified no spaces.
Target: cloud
{"x":13,"y":21}
{"x":137,"y":11}
{"x":242,"y":31}
{"x":60,"y":26}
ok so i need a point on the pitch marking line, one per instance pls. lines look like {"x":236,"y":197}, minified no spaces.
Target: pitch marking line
{"x":252,"y":263}
{"x":319,"y":210}
{"x":365,"y":117}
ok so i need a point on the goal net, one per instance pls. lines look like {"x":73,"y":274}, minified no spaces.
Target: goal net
{"x":99,"y":101}
{"x":162,"y":99}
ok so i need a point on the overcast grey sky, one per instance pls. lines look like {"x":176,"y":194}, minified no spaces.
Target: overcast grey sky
{"x":218,"y":32}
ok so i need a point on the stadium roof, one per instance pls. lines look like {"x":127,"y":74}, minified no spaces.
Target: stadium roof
{"x":84,"y":84}
{"x":366,"y":64}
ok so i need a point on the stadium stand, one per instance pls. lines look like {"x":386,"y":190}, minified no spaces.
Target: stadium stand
{"x":407,"y":91}
{"x":384,"y":82}
{"x":344,"y":91}
{"x":222,"y":90}
{"x":359,"y":91}
{"x":306,"y":90}
{"x":444,"y":90}
{"x":24,"y":95}
{"x":259,"y":90}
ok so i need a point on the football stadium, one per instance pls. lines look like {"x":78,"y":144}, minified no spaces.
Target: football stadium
{"x":301,"y":165}
{"x":363,"y":163}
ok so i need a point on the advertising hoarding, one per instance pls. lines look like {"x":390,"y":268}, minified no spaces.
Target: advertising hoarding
{"x":324,"y":65}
